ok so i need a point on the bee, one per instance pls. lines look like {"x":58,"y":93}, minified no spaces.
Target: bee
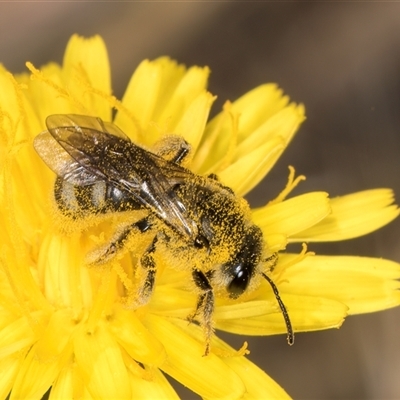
{"x":199,"y":221}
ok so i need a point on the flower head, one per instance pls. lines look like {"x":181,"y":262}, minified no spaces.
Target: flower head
{"x":69,"y":325}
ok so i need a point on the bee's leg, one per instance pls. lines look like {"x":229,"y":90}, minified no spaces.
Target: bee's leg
{"x":271,"y":261}
{"x":148,"y":264}
{"x":205,"y":305}
{"x":101,"y":256}
{"x":215,"y":178}
{"x":172,"y":148}
{"x":181,"y":154}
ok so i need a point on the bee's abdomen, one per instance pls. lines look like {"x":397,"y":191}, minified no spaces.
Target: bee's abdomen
{"x":78,"y":201}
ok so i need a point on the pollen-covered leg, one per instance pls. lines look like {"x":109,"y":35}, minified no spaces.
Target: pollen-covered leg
{"x":172,"y":148}
{"x":106,"y":253}
{"x":205,"y":306}
{"x":146,"y":284}
{"x":271,"y":261}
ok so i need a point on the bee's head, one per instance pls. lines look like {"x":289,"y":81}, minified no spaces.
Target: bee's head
{"x":242,"y":267}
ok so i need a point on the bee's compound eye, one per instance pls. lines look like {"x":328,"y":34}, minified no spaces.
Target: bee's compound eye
{"x":240,"y":281}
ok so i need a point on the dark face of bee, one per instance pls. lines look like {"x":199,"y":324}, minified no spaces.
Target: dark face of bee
{"x":243,"y":267}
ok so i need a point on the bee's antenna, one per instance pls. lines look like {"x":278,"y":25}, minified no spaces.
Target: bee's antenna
{"x":290,"y":333}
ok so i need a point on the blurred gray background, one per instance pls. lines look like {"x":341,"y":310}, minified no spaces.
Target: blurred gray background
{"x":342,"y":60}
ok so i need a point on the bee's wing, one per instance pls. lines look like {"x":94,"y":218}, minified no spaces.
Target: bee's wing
{"x":75,"y":121}
{"x":158,"y":178}
{"x":59,"y":161}
{"x":49,"y":145}
{"x":86,"y":149}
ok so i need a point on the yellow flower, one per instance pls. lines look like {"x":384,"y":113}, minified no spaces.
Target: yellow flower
{"x":65,"y":325}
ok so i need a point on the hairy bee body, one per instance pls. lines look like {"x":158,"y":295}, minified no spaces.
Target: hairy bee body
{"x":201,"y":223}
{"x":99,"y":198}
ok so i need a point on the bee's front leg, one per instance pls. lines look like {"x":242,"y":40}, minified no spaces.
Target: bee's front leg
{"x":205,"y":305}
{"x":172,"y":148}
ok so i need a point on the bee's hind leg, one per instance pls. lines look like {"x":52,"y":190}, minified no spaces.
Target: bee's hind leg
{"x":147,"y":267}
{"x":205,"y":305}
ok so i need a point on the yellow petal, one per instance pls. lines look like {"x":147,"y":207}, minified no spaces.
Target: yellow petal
{"x":258,"y":153}
{"x":194,"y":119}
{"x":171,"y":75}
{"x":307,"y":313}
{"x":16,"y":337}
{"x":158,"y":95}
{"x":245,"y":173}
{"x":258,"y":384}
{"x":63,"y":387}
{"x":275,"y":241}
{"x":282,"y":125}
{"x":18,"y":123}
{"x":46,"y":94}
{"x":263,"y":114}
{"x":86,"y":72}
{"x":8,"y":98}
{"x":9,"y":367}
{"x":352,"y":215}
{"x":293,"y":215}
{"x":140,"y":99}
{"x":139,"y":343}
{"x":156,"y":387}
{"x":60,"y":268}
{"x":208,"y":376}
{"x":56,"y":336}
{"x":363,"y":284}
{"x":28,"y":193}
{"x":7,"y":308}
{"x":35,"y":376}
{"x":257,"y":106}
{"x":191,"y":86}
{"x":100,"y":360}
